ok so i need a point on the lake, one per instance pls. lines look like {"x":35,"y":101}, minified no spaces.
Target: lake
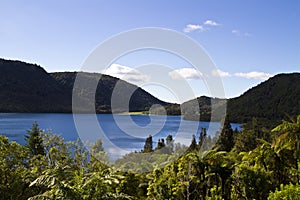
{"x":120,"y":134}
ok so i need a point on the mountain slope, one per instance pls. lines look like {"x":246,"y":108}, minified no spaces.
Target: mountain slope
{"x":204,"y":111}
{"x":139,"y":101}
{"x":29,"y":88}
{"x":273,"y":100}
{"x":269,"y":102}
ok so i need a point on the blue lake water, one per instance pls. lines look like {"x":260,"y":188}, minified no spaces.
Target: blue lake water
{"x":121,"y":134}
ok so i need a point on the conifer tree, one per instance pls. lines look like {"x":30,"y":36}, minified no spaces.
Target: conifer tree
{"x":148,"y":147}
{"x":193,"y":145}
{"x":34,"y":140}
{"x":226,"y":139}
{"x":202,"y":137}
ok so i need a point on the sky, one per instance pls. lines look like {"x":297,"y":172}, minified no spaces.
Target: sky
{"x":249,"y":41}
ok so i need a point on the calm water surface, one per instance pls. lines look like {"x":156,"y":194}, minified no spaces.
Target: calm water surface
{"x":126,"y":133}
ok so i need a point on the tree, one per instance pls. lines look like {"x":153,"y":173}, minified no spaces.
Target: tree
{"x":288,"y":144}
{"x":219,"y":166}
{"x":258,"y":173}
{"x":169,"y":139}
{"x":226,"y":140}
{"x":97,"y":147}
{"x":133,"y":184}
{"x":160,"y":144}
{"x":34,"y":140}
{"x":179,"y":180}
{"x":245,"y":141}
{"x":250,"y":182}
{"x":79,"y":154}
{"x":13,"y":171}
{"x":148,"y":147}
{"x":202,"y":136}
{"x":170,"y":144}
{"x":59,"y":184}
{"x":193,"y":146}
{"x":99,"y":158}
{"x":56,"y":149}
{"x":96,"y":185}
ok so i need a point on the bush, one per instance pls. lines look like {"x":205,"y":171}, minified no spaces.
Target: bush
{"x":286,"y":192}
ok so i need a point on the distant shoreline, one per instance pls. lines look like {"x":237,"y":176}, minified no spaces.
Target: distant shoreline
{"x":134,"y":113}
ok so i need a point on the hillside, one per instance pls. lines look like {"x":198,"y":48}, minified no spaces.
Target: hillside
{"x":204,"y":110}
{"x":269,"y":102}
{"x":139,"y":101}
{"x":273,"y":100}
{"x":29,"y":88}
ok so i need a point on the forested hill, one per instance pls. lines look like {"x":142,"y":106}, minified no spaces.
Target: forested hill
{"x":28,"y":87}
{"x":271,"y":101}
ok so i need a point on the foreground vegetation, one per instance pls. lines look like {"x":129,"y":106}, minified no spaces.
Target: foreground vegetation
{"x":253,"y":163}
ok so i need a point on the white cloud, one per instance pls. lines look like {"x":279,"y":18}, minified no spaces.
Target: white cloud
{"x":220,"y":73}
{"x":126,"y":73}
{"x":201,"y":28}
{"x":186,"y":73}
{"x":254,"y":75}
{"x":248,"y":75}
{"x":236,"y":32}
{"x":239,"y":33}
{"x":211,"y":23}
{"x":193,"y":27}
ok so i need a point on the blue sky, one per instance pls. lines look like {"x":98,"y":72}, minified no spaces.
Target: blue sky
{"x":247,"y":40}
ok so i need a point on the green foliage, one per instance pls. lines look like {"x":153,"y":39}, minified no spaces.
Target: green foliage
{"x":133,"y":184}
{"x":245,"y":141}
{"x":250,"y":137}
{"x":286,"y":192}
{"x":226,"y":139}
{"x":250,"y":183}
{"x":14,"y":174}
{"x":57,"y":151}
{"x":288,"y":145}
{"x":214,"y":194}
{"x":58,"y":181}
{"x":193,"y":146}
{"x":35,"y":141}
{"x":98,"y":157}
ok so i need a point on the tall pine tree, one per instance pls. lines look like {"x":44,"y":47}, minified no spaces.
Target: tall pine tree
{"x":148,"y":147}
{"x":193,"y":146}
{"x":34,"y":140}
{"x":226,"y":139}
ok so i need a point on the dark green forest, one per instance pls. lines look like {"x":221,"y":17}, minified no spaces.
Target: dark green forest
{"x":254,"y":163}
{"x":28,"y":88}
{"x":269,"y":102}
